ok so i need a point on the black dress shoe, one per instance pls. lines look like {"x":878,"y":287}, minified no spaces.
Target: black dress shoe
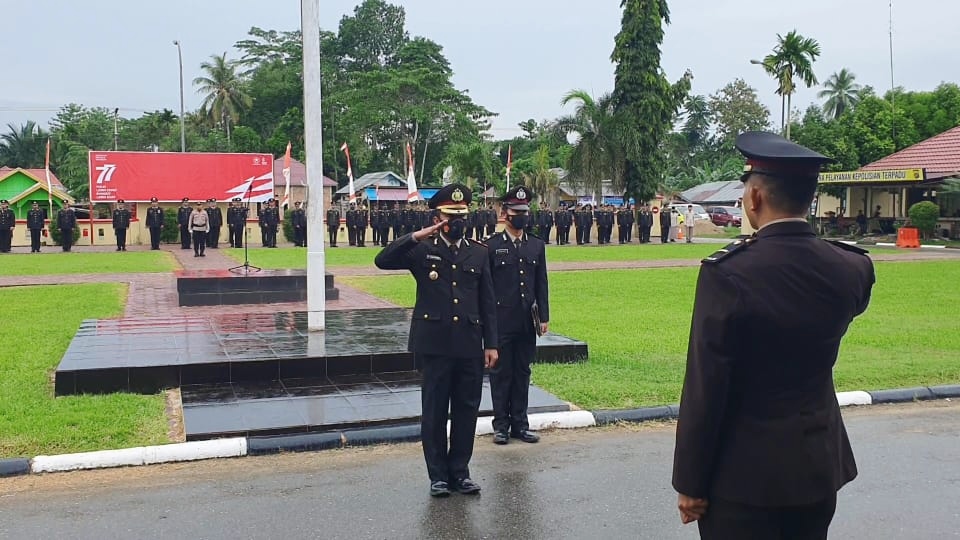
{"x":467,"y":486}
{"x":526,"y":436}
{"x":439,"y":489}
{"x":501,"y":437}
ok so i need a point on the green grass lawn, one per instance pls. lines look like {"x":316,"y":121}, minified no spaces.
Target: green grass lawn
{"x":728,"y":232}
{"x":40,"y":323}
{"x":637,"y":322}
{"x":353,"y":256}
{"x":27,"y":264}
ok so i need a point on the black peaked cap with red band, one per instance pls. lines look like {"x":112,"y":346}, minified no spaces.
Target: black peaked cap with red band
{"x":772,"y":155}
{"x":452,"y":199}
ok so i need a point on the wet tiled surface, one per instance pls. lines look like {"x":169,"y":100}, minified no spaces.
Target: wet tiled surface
{"x":146,"y":354}
{"x":299,"y":405}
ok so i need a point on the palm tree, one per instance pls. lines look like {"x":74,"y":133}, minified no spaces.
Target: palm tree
{"x":697,"y":112}
{"x":542,"y":180}
{"x":23,"y":146}
{"x":842,"y":93}
{"x":225,"y":95}
{"x":603,"y":141}
{"x":792,"y":59}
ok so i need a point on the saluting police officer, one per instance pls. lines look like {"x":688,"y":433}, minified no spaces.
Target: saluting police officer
{"x":121,"y":222}
{"x":761,"y":447}
{"x":453,"y":332}
{"x":519,"y":267}
{"x":154,"y":222}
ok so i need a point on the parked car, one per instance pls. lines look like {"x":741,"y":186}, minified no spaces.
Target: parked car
{"x":726,"y":216}
{"x":697,"y":209}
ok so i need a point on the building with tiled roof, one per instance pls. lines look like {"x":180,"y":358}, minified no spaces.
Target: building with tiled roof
{"x":901,"y":184}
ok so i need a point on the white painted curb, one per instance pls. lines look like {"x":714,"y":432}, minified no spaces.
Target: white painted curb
{"x":143,"y":455}
{"x":854,"y":398}
{"x":541,"y":421}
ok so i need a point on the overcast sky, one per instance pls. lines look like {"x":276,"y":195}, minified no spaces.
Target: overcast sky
{"x":516,"y":57}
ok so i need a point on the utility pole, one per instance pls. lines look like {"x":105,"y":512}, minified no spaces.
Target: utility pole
{"x":116,"y":131}
{"x":183,"y":137}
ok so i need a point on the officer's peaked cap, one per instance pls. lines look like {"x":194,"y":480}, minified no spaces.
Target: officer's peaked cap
{"x":452,"y":199}
{"x":772,"y":155}
{"x":518,"y":198}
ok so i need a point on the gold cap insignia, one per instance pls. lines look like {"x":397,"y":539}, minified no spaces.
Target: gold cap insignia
{"x":457,"y":195}
{"x":521,"y":194}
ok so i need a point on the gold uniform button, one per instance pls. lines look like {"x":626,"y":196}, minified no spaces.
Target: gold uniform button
{"x":453,"y":266}
{"x":456,"y":300}
{"x":425,"y":316}
{"x":521,"y":284}
{"x":454,"y":283}
{"x":521,"y":272}
{"x":455,"y":318}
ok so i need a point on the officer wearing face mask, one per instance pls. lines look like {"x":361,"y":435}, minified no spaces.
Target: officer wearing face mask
{"x":519,"y":266}
{"x":453,"y":333}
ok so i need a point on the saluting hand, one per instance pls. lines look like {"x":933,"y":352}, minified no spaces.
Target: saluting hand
{"x":423,"y":233}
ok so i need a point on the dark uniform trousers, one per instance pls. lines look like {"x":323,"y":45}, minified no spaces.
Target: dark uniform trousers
{"x":121,"y":238}
{"x":213,"y":237}
{"x":154,"y":237}
{"x":35,"y":239}
{"x":66,"y":238}
{"x":6,"y":239}
{"x":727,"y":519}
{"x":519,"y":279}
{"x":453,"y":320}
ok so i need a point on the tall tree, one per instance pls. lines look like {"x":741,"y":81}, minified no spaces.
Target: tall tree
{"x":224,"y":94}
{"x":736,"y":109}
{"x":541,"y":179}
{"x":841,"y":93}
{"x":603,"y":138}
{"x":697,"y":119}
{"x":23,"y":146}
{"x":643,"y":95}
{"x":373,"y":36}
{"x":791,"y":61}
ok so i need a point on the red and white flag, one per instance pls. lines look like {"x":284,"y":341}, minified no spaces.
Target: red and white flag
{"x":509,"y":164}
{"x":286,"y":180}
{"x":353,"y":193}
{"x":46,"y":169}
{"x":413,"y":194}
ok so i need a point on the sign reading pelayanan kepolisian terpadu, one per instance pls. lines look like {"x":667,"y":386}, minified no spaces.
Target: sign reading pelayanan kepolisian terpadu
{"x":171,"y":176}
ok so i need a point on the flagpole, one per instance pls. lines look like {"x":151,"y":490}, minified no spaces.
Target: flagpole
{"x":49,"y":191}
{"x":313,"y":135}
{"x":509,"y":163}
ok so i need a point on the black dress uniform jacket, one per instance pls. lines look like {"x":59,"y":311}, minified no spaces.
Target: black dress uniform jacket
{"x":454,"y":314}
{"x":121,"y":219}
{"x":759,"y":420}
{"x":520,"y":278}
{"x":154,"y":217}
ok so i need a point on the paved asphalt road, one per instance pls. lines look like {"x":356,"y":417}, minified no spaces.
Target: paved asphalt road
{"x":599,"y":483}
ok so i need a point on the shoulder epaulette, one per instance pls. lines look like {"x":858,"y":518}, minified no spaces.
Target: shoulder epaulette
{"x":729,"y":249}
{"x":477,"y":242}
{"x":849,"y":247}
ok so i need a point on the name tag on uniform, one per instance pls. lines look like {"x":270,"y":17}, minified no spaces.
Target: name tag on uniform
{"x":434,"y":257}
{"x":504,"y":251}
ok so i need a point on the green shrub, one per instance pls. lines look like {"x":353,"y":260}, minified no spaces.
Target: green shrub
{"x":170,"y":234}
{"x":55,"y":234}
{"x":923,"y":216}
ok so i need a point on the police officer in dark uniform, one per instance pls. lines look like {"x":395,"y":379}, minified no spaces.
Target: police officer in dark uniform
{"x":664,"y":224}
{"x":453,"y":333}
{"x":761,"y":447}
{"x":8,"y":221}
{"x":231,"y":221}
{"x":215,"y":218}
{"x":519,"y":266}
{"x":546,"y":219}
{"x":66,"y":222}
{"x":363,"y":218}
{"x":154,"y":223}
{"x":121,"y":222}
{"x":298,"y":220}
{"x":333,"y":224}
{"x":238,"y":223}
{"x":183,"y":220}
{"x":272,"y":221}
{"x":645,"y":224}
{"x":35,"y":219}
{"x":384,"y":234}
{"x":375,"y":224}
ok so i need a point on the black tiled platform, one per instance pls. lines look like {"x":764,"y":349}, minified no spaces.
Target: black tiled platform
{"x":145,"y":355}
{"x":223,"y":287}
{"x":317,"y":404}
